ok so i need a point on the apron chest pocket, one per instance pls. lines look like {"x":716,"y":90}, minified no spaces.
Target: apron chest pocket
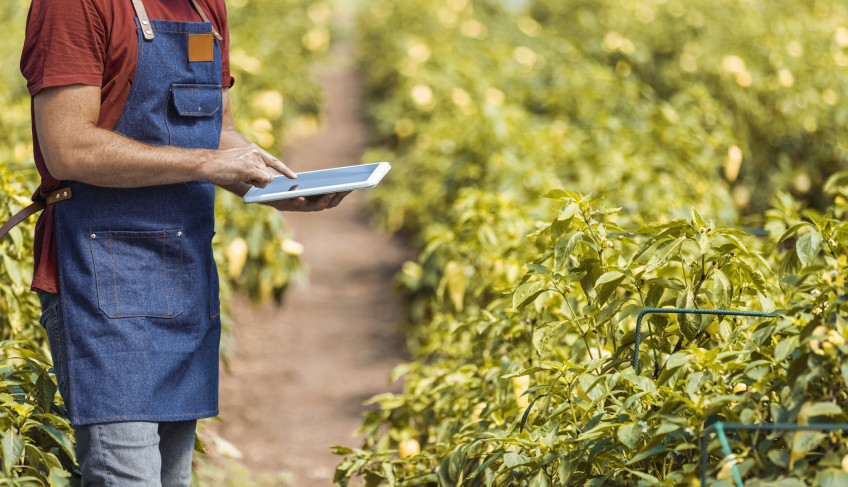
{"x":194,"y":114}
{"x":138,"y":273}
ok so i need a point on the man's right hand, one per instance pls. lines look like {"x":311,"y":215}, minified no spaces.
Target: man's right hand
{"x":248,"y":164}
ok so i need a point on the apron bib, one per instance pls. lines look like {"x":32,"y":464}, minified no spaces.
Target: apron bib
{"x":138,"y":280}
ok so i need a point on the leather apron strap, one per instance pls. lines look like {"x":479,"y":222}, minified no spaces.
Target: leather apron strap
{"x":206,"y":19}
{"x":58,"y":195}
{"x":147,"y":31}
{"x":143,"y":19}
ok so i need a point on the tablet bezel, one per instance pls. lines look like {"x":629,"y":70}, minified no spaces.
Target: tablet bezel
{"x":258,"y":195}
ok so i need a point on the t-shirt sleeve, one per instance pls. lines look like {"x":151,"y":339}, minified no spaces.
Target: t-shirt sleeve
{"x":64,"y":44}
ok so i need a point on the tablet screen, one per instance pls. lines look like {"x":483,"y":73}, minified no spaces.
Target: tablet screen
{"x":320,"y":182}
{"x":318,"y":179}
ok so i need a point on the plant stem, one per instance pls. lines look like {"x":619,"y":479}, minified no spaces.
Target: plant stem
{"x":580,"y":329}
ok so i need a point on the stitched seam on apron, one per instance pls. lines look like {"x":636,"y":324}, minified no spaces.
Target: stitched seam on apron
{"x":168,"y":125}
{"x":165,"y":272}
{"x":180,"y":276}
{"x":152,"y":415}
{"x":114,"y":275}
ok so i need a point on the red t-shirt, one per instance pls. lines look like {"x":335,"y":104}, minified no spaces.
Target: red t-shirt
{"x":91,"y":42}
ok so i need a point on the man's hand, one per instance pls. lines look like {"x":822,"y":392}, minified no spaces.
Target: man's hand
{"x":232,"y":142}
{"x":309,"y":203}
{"x":248,"y":164}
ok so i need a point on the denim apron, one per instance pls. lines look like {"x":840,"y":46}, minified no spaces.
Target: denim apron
{"x":138,"y":281}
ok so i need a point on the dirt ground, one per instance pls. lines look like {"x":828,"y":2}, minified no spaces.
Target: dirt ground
{"x":302,"y":371}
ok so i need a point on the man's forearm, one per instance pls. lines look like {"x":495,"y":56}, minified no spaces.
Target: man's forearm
{"x":104,"y":158}
{"x":74,"y":148}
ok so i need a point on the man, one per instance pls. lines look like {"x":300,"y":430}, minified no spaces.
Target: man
{"x":132,"y":129}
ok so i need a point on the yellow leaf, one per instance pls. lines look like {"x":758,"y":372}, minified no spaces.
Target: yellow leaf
{"x":236,"y":257}
{"x":520,"y":386}
{"x":455,"y":276}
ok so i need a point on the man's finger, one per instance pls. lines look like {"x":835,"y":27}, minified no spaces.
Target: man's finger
{"x":278,"y":165}
{"x":338,"y":197}
{"x":325,"y":201}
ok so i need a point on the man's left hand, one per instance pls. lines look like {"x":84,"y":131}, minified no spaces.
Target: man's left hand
{"x":309,"y":203}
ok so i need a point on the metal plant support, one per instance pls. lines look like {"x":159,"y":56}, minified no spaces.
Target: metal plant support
{"x":719,"y":312}
{"x":721,"y":428}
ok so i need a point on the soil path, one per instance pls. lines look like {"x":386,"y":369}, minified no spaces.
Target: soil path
{"x":302,"y":371}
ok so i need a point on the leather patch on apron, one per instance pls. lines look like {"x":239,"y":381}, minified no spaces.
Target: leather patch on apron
{"x":200,"y":47}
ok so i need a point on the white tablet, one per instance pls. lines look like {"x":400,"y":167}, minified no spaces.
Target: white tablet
{"x":324,"y":181}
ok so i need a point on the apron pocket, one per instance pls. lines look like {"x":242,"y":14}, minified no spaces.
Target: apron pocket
{"x":138,"y":273}
{"x":194,"y":114}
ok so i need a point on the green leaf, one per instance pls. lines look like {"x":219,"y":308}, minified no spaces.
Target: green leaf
{"x":629,"y":434}
{"x":722,"y":290}
{"x":779,"y":458}
{"x":647,"y":454}
{"x":66,"y":443}
{"x":664,"y":252}
{"x":527,"y":411}
{"x":489,"y":462}
{"x":785,"y":347}
{"x":819,"y":409}
{"x":808,"y":247}
{"x":564,"y":247}
{"x":59,"y":478}
{"x":45,"y":392}
{"x":690,"y":325}
{"x":543,"y":334}
{"x":697,"y":218}
{"x":644,"y":476}
{"x":341,"y":450}
{"x":199,"y":446}
{"x":13,"y":448}
{"x":565,"y":471}
{"x":791,"y":231}
{"x":527,"y":293}
{"x":831,"y":478}
{"x":541,"y":480}
{"x":513,"y":459}
{"x":754,"y":276}
{"x":13,"y":269}
{"x":568,"y":212}
{"x":678,"y":359}
{"x":17,"y":238}
{"x":790,"y":264}
{"x":806,"y":441}
{"x":389,"y":473}
{"x":607,"y":284}
{"x":765,"y":302}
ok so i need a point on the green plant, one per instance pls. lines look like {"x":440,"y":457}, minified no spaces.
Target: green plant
{"x":521,"y":310}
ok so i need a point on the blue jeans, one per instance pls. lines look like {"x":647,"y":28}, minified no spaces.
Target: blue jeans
{"x":127,"y":454}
